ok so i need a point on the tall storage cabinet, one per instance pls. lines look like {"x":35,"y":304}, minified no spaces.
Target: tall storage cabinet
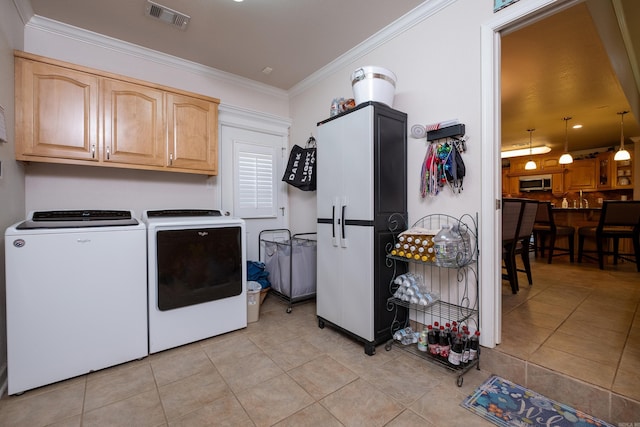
{"x":362,"y":200}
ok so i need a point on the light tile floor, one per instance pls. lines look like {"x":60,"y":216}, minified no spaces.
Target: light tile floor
{"x":577,"y":320}
{"x":282,"y":370}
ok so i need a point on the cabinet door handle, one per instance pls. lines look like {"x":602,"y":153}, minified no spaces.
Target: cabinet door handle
{"x":93,"y":151}
{"x":108,"y":153}
{"x":170,"y":159}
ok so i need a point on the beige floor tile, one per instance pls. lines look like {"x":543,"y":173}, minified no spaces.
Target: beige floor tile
{"x":293,"y":353}
{"x":627,"y":382}
{"x":229,"y":347}
{"x":322,"y":376}
{"x":108,"y":387}
{"x":141,"y":410}
{"x":177,"y":364}
{"x":408,"y":418}
{"x":574,"y":366}
{"x":189,"y":394}
{"x":606,"y":350}
{"x":440,"y":404}
{"x":361,"y":404}
{"x":247,"y":371}
{"x":274,"y":400}
{"x":225,"y":412}
{"x":406,"y":378}
{"x":311,"y":416}
{"x":39,"y":409}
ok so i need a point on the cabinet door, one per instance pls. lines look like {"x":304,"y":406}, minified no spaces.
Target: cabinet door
{"x":581,"y":175}
{"x":623,"y":171}
{"x":557,"y":184}
{"x":192,"y":133}
{"x":604,"y":171}
{"x":134,"y":125}
{"x":56,"y":112}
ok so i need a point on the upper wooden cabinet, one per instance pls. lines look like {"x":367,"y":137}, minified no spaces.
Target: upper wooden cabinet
{"x":56,"y":112}
{"x":134,"y":124}
{"x":192,"y":130}
{"x":581,"y":175}
{"x":72,"y":114}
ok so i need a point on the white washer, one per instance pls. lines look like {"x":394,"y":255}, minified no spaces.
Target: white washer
{"x":76,"y":295}
{"x":197,"y":276}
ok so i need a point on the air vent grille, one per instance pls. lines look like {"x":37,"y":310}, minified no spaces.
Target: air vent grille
{"x":167,"y":15}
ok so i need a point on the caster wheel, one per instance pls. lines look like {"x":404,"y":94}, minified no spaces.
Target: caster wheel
{"x":288,"y":310}
{"x":387,"y":347}
{"x":320,"y":324}
{"x":459,"y":381}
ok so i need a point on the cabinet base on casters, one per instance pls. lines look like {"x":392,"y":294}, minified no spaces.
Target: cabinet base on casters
{"x":369,"y":346}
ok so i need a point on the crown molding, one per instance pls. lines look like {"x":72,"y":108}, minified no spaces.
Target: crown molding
{"x":244,"y":118}
{"x":404,"y":23}
{"x":409,"y":20}
{"x":41,"y":23}
{"x":24,"y":10}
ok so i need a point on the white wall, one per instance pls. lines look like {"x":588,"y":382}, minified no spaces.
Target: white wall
{"x":12,"y":182}
{"x":437,"y":63}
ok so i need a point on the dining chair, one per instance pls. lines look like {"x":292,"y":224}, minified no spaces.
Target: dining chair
{"x":618,"y":220}
{"x":545,"y":226}
{"x":525,"y":230}
{"x":511,"y":216}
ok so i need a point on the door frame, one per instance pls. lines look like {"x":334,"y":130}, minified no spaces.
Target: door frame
{"x":253,"y":121}
{"x":508,"y":19}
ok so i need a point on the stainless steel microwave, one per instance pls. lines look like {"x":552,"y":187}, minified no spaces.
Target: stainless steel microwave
{"x":535,"y":183}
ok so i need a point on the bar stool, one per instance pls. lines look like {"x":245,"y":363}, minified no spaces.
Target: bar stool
{"x":545,"y":226}
{"x":618,"y":220}
{"x":511,"y":217}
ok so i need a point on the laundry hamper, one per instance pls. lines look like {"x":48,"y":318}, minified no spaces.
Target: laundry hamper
{"x":291,"y":263}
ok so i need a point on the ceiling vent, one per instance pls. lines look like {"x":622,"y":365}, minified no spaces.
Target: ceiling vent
{"x":170,"y":16}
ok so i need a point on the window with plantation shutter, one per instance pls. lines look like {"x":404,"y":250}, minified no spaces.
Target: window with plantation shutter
{"x":255,"y":181}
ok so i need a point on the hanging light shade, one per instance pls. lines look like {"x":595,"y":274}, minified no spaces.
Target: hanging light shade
{"x":566,"y":158}
{"x":622,"y":154}
{"x":531,"y":165}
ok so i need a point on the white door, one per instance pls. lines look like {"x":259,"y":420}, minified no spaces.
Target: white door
{"x":251,"y":167}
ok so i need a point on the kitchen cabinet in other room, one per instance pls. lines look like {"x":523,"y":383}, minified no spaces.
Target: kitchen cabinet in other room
{"x":518,"y":164}
{"x":56,"y":112}
{"x":557,"y":184}
{"x":623,"y":172}
{"x":581,"y":175}
{"x":192,"y":133}
{"x":604,"y":171}
{"x":134,"y":124}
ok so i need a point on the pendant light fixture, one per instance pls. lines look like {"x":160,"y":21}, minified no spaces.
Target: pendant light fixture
{"x":622,"y":154}
{"x":531,"y":165}
{"x":566,"y":158}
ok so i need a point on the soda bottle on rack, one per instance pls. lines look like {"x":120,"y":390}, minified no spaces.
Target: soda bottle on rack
{"x":432,"y":341}
{"x":465,"y":345}
{"x":436,"y":330}
{"x":455,"y":355}
{"x":443,"y":344}
{"x":474,"y":344}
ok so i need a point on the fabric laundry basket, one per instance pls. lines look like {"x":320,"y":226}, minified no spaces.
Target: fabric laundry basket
{"x":292,"y":266}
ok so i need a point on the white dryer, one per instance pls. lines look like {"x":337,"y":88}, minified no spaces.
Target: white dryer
{"x":197,"y":272}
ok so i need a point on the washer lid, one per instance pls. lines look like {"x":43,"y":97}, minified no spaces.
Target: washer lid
{"x":77,"y":219}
